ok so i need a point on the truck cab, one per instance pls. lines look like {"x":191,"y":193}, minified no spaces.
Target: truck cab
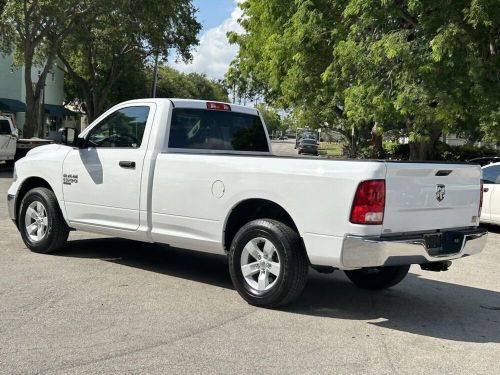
{"x":8,"y":139}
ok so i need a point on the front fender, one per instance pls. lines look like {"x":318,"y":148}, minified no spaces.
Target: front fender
{"x":41,"y":169}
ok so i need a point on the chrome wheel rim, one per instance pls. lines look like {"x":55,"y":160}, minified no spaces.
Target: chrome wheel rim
{"x":36,"y":221}
{"x":260,"y":264}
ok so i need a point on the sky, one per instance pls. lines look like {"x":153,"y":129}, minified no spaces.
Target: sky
{"x":213,"y":55}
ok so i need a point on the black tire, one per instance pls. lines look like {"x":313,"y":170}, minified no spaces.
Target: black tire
{"x":56,"y":232}
{"x":377,"y":278}
{"x":294,"y":265}
{"x":9,"y":163}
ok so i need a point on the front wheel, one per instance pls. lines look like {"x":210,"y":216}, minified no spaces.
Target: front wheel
{"x":377,"y":278}
{"x":268,"y":263}
{"x":41,"y":223}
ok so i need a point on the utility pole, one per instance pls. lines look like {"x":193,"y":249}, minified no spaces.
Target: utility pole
{"x":155,"y":76}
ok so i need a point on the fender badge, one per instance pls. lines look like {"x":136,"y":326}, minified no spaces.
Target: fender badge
{"x":69,"y":179}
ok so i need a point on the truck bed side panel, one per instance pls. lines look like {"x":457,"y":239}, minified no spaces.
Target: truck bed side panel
{"x":317,"y":194}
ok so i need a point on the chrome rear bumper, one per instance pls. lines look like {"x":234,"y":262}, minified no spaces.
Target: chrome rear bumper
{"x":361,"y":252}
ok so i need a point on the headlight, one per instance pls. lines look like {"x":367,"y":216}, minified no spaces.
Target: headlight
{"x":14,"y":177}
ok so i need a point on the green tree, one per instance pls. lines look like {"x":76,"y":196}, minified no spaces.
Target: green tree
{"x":271,"y":118}
{"x":95,"y":52}
{"x":133,"y":83}
{"x":35,"y":29}
{"x":174,"y":84}
{"x":372,"y":66}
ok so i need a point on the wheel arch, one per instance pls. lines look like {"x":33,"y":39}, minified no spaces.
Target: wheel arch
{"x":28,"y":184}
{"x":250,"y":209}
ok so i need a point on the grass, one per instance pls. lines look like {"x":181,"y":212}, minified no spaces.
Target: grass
{"x":330,"y":148}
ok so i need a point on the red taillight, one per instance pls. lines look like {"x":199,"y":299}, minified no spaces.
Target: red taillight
{"x":480,"y":199}
{"x":369,"y":203}
{"x":218,"y":106}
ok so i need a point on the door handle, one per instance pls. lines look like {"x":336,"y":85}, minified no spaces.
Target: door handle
{"x":127,"y":164}
{"x":486,"y":190}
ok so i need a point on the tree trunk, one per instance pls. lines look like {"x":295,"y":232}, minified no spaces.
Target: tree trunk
{"x":30,"y":124}
{"x":33,"y":124}
{"x":155,"y":77}
{"x":354,"y":142}
{"x":377,"y":141}
{"x":425,"y":150}
{"x":89,"y":102}
{"x":32,"y":103}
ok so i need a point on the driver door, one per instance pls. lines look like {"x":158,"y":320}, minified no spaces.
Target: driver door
{"x":7,"y":141}
{"x":102,"y":181}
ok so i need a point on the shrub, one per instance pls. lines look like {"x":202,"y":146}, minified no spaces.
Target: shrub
{"x":399,"y":151}
{"x":446,"y":152}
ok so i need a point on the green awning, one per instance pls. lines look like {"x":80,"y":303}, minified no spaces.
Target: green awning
{"x":12,"y":105}
{"x":58,"y":110}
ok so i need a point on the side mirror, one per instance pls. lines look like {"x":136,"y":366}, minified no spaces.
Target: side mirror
{"x":80,"y":142}
{"x":69,"y":136}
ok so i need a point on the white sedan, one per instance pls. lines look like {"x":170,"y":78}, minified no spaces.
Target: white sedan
{"x":491,"y":198}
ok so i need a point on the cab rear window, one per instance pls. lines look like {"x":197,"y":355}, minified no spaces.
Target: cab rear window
{"x":203,"y":129}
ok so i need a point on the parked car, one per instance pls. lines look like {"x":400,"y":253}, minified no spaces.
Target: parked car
{"x":491,"y":190}
{"x":308,"y":146}
{"x":485,"y":160}
{"x":201,"y":175}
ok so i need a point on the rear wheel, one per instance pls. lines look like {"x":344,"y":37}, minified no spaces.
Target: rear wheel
{"x":267,"y":263}
{"x":41,"y":223}
{"x":378,"y":278}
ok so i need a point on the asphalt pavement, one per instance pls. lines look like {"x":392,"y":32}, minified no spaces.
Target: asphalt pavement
{"x":287,"y":148}
{"x":106,"y":305}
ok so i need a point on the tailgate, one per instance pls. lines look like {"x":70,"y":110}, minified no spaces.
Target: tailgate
{"x":426,"y":196}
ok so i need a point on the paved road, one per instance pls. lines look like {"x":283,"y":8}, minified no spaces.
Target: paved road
{"x":105,"y":305}
{"x":284,"y":148}
{"x":287,"y":148}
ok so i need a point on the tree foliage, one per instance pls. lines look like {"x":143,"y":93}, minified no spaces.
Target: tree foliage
{"x":420,"y":66}
{"x":136,"y":80}
{"x":35,"y":29}
{"x":116,"y":32}
{"x":271,"y":118}
{"x":174,"y":84}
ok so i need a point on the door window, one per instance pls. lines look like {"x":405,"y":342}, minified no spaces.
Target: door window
{"x":4,"y":127}
{"x":491,"y":175}
{"x":121,"y":129}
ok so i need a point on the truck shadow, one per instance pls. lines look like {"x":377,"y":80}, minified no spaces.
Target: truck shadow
{"x":418,"y":305}
{"x":491,"y":228}
{"x":6,"y":172}
{"x":193,"y":265}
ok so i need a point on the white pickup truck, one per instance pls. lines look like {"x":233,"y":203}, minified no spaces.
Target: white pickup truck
{"x":11,"y":147}
{"x":201,"y":175}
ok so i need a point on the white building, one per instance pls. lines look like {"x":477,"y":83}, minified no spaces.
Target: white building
{"x":13,"y":96}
